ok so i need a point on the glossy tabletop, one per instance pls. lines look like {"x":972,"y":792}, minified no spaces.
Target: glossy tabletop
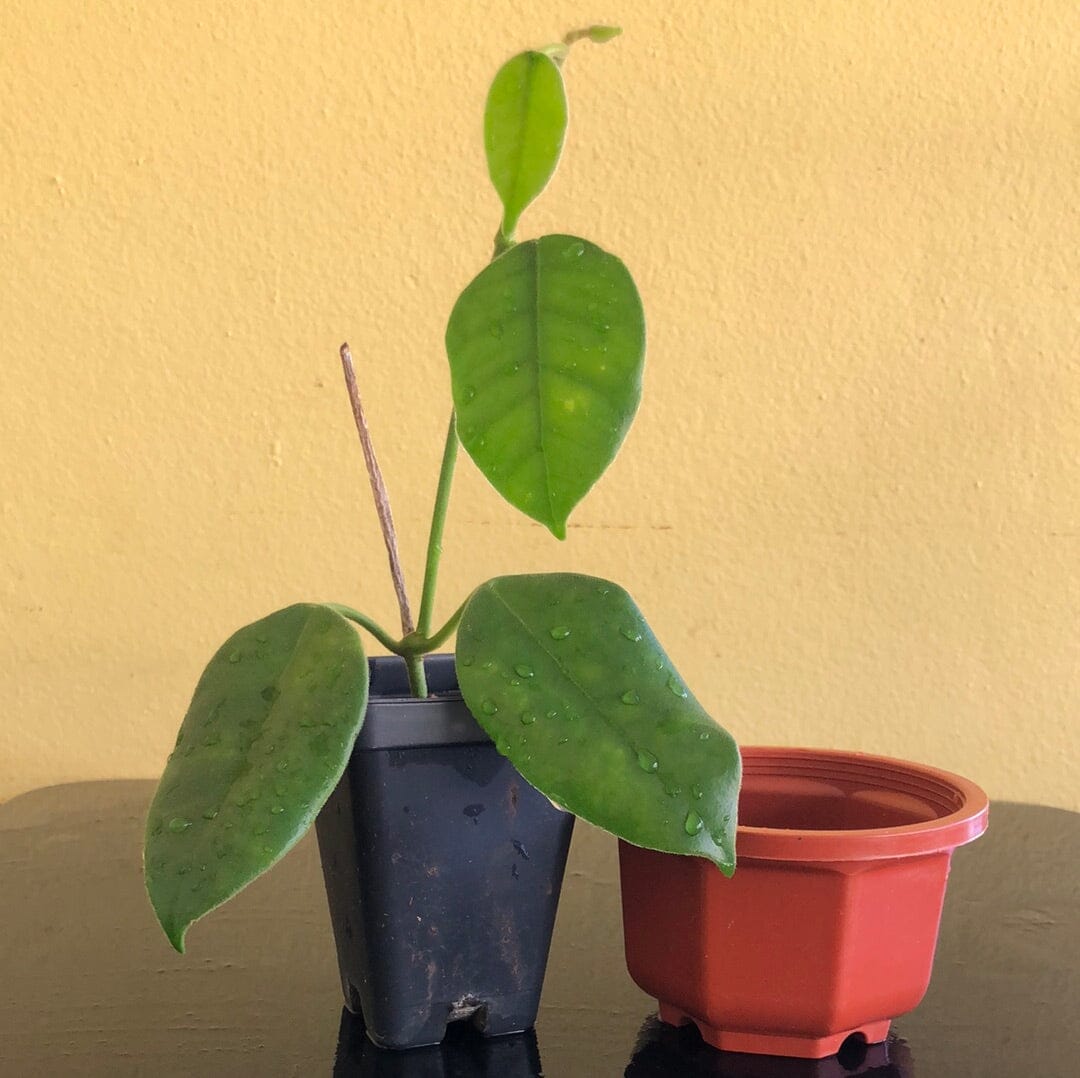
{"x":89,"y":986}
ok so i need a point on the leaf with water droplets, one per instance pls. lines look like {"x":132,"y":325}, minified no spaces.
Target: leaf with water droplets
{"x":649,"y":764}
{"x":524,"y":128}
{"x":551,"y":399}
{"x":256,"y":703}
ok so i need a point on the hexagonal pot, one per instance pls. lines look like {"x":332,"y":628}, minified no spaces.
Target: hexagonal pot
{"x":829,"y":925}
{"x":443,"y":868}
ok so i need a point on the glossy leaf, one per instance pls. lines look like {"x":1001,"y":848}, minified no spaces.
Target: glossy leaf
{"x":524,"y":127}
{"x":546,"y":350}
{"x":566,"y":676}
{"x":263,"y":744}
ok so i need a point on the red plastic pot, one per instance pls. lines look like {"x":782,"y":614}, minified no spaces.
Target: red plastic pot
{"x":829,"y":925}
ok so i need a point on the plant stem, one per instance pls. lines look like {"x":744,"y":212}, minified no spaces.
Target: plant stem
{"x":372,"y":627}
{"x":378,"y":490}
{"x":432,"y":642}
{"x":412,"y":654}
{"x":414,"y":665}
{"x":438,"y":520}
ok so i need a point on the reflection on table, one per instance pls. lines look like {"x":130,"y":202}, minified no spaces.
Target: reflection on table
{"x":89,"y":986}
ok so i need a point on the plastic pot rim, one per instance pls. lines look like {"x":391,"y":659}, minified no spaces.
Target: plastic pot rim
{"x":962,"y":807}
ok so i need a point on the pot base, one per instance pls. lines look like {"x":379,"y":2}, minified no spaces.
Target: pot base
{"x":771,"y":1044}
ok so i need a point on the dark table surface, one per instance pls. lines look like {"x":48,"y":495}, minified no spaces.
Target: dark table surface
{"x":89,"y":986}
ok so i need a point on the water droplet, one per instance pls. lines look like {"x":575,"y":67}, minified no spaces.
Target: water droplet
{"x":718,"y":839}
{"x":496,"y":330}
{"x":209,"y":814}
{"x":563,"y":740}
{"x":183,"y":870}
{"x":524,"y":670}
{"x":178,"y":824}
{"x":673,"y":791}
{"x":488,"y":665}
{"x":528,"y":718}
{"x":235,"y":657}
{"x":270,"y":693}
{"x":703,"y":736}
{"x":514,"y":680}
{"x":282,"y":765}
{"x":676,"y":687}
{"x":277,"y":810}
{"x":466,"y":660}
{"x":692,"y":825}
{"x":631,"y":634}
{"x":631,"y":696}
{"x":560,"y":632}
{"x":470,"y":392}
{"x":489,"y":707}
{"x":306,"y":724}
{"x":697,"y":792}
{"x":552,"y":714}
{"x":212,"y":739}
{"x":268,"y":849}
{"x":261,"y":639}
{"x":647,"y":761}
{"x":574,"y":250}
{"x":603,"y":592}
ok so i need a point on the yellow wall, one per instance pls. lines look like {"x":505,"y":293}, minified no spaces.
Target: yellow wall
{"x":850,"y":505}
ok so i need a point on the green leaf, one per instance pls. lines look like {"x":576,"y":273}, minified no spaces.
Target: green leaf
{"x":566,"y":676}
{"x":264,"y":742}
{"x":546,"y":349}
{"x":524,"y":126}
{"x":598,"y":34}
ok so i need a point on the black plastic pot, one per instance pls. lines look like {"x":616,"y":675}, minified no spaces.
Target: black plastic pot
{"x":443,"y":868}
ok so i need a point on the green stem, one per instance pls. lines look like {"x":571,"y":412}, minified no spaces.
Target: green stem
{"x":438,"y":520}
{"x":503,"y":243}
{"x":372,"y":627}
{"x":414,"y":664}
{"x":432,"y":642}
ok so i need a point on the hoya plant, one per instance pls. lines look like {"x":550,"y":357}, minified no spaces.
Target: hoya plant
{"x":546,"y":347}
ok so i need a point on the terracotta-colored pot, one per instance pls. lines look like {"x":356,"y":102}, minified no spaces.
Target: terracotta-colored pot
{"x":827,"y":928}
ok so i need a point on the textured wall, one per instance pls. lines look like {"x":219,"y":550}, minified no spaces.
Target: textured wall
{"x":850,"y":505}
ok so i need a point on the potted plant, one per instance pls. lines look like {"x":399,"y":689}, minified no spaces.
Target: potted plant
{"x":443,"y":785}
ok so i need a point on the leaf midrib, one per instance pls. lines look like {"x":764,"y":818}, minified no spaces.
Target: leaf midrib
{"x":569,"y":677}
{"x":534,"y":248}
